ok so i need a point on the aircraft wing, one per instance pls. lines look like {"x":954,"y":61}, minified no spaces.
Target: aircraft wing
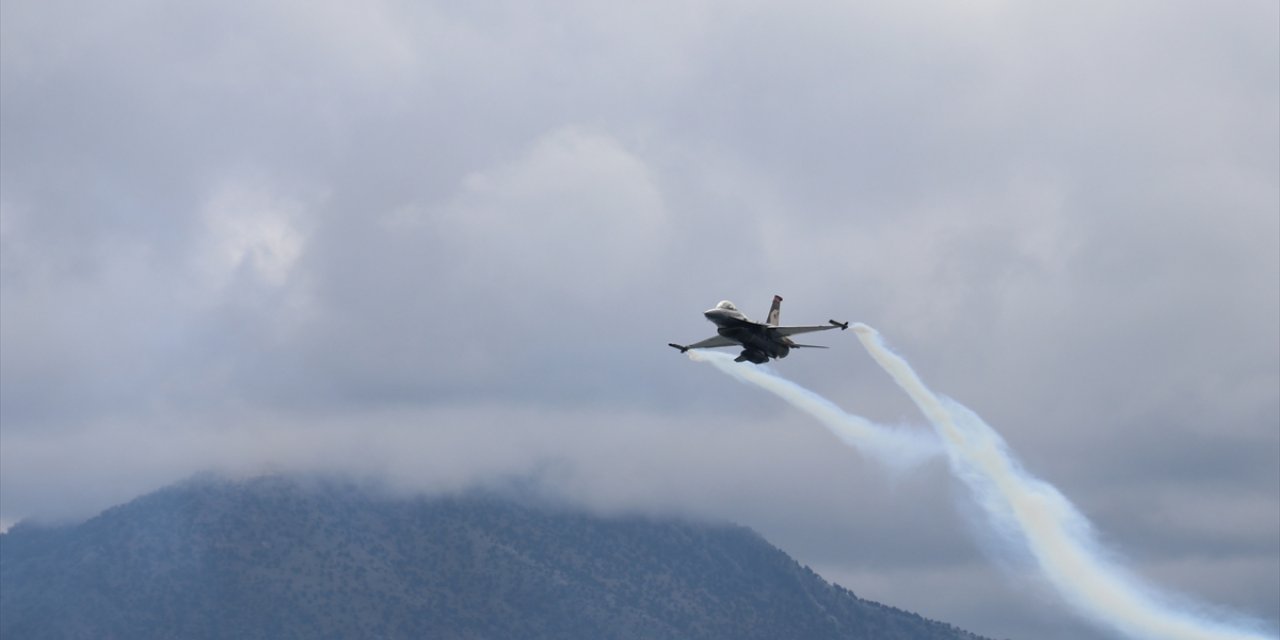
{"x":714,"y":341}
{"x":791,"y":331}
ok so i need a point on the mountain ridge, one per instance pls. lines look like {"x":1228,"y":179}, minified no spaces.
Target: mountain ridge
{"x":277,"y":557}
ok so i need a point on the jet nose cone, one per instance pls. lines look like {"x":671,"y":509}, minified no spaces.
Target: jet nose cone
{"x":715,"y":316}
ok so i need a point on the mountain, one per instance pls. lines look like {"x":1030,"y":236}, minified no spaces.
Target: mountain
{"x":286,"y":558}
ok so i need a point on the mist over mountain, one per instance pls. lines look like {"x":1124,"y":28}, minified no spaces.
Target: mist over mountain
{"x":288,"y":558}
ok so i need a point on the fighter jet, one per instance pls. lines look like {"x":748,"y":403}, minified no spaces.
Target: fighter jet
{"x":759,"y":341}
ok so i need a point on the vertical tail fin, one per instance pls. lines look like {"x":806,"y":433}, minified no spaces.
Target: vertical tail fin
{"x":774,"y":311}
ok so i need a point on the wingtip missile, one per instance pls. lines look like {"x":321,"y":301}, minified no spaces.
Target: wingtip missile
{"x":842,"y":325}
{"x":682,"y":348}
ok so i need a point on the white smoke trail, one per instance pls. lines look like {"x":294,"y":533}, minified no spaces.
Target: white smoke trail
{"x":1057,"y":535}
{"x":898,"y":449}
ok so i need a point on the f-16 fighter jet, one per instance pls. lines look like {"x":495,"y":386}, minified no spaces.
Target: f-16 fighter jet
{"x":760,"y":341}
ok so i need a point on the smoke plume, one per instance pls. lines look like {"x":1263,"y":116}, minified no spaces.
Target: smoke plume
{"x":1021,"y":509}
{"x":897,"y":448}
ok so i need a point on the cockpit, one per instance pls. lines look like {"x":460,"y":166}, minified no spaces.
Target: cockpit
{"x":726,"y":305}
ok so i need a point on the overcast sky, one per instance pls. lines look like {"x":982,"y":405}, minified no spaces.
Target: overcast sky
{"x":446,"y":243}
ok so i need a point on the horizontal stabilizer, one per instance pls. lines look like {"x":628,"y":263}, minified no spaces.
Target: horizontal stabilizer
{"x":807,"y":346}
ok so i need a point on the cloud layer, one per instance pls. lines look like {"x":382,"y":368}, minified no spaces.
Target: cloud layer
{"x":445,"y":245}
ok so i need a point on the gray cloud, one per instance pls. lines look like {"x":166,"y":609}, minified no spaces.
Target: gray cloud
{"x":447,"y":245}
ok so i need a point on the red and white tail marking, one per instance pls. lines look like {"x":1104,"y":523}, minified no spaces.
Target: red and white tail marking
{"x":774,"y":311}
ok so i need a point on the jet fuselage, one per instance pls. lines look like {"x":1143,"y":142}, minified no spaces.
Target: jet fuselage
{"x":759,"y":342}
